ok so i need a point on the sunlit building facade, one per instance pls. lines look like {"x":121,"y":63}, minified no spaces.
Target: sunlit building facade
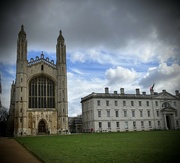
{"x":39,"y":103}
{"x":116,"y":112}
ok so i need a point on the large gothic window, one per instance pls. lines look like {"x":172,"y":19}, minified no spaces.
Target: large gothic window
{"x":41,"y":93}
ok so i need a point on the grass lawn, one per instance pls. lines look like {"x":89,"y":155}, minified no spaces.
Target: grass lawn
{"x":145,"y":146}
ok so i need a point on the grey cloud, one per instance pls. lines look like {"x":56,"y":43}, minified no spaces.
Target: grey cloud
{"x":163,"y":76}
{"x":104,"y":24}
{"x":110,"y":24}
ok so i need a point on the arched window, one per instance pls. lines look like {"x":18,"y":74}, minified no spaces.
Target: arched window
{"x":42,"y":67}
{"x":41,"y":93}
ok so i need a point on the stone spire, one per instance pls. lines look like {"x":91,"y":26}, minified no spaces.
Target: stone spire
{"x":60,"y":49}
{"x":60,"y":38}
{"x":22,"y":45}
{"x":22,"y":33}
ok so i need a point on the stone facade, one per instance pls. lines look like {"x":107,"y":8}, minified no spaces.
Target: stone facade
{"x":104,"y":112}
{"x":75,"y":124}
{"x":39,"y":101}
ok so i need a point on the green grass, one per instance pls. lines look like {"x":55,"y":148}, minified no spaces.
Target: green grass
{"x":150,"y":146}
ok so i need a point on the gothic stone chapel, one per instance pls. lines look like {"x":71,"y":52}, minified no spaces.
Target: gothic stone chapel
{"x":39,"y":102}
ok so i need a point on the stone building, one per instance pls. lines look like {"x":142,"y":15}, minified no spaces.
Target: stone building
{"x":75,"y":124}
{"x":39,"y":101}
{"x":105,"y":112}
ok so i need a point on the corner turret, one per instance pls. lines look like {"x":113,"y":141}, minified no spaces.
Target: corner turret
{"x":60,"y":49}
{"x":62,"y":106}
{"x":22,"y":45}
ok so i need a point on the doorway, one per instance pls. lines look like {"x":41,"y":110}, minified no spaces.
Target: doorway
{"x":169,"y":122}
{"x":42,"y":127}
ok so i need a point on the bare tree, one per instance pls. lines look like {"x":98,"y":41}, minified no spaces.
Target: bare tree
{"x":3,"y":114}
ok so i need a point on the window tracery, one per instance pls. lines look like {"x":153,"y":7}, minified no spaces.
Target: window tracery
{"x":41,"y":93}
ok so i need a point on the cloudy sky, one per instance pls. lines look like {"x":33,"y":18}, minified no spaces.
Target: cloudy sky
{"x":110,"y":43}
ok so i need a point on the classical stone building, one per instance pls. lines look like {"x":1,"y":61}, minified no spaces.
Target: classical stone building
{"x":39,"y":102}
{"x":103,"y":112}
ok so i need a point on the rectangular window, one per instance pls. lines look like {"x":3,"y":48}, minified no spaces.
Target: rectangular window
{"x":156,"y":103}
{"x":117,"y":113}
{"x":141,"y":113}
{"x":98,"y":102}
{"x":117,"y":124}
{"x":99,"y":113}
{"x":107,"y":103}
{"x":147,"y":103}
{"x":126,"y":124}
{"x":142,"y":124}
{"x":109,"y":124}
{"x":157,"y":113}
{"x":140,"y":103}
{"x":150,"y":124}
{"x":125,"y":113}
{"x":174,"y":103}
{"x":108,"y":113}
{"x":124,"y":103}
{"x":176,"y":113}
{"x":132,"y":103}
{"x":115,"y":103}
{"x":177,"y":123}
{"x":133,"y":113}
{"x":148,"y":112}
{"x":134,"y":124}
{"x":100,"y":124}
{"x":159,"y":124}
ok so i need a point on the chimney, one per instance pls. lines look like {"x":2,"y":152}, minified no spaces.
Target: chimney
{"x":177,"y":92}
{"x":115,"y":92}
{"x":164,"y":90}
{"x":151,"y":91}
{"x":106,"y":90}
{"x":122,"y":91}
{"x":137,"y":91}
{"x":144,"y":93}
